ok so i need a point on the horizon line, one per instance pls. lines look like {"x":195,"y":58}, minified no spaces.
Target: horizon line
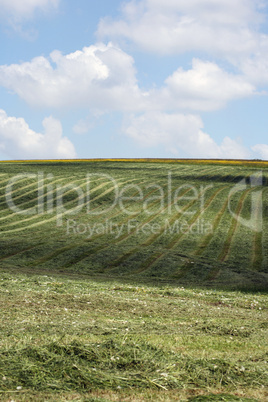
{"x":64,"y":160}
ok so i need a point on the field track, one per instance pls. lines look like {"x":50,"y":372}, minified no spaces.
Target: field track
{"x":175,"y":225}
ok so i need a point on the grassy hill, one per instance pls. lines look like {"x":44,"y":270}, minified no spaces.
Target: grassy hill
{"x":177,"y":226}
{"x":133,"y":280}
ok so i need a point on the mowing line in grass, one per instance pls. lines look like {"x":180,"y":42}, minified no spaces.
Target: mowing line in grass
{"x":121,"y":259}
{"x":79,"y":243}
{"x":157,"y":256}
{"x":150,"y":240}
{"x":6,"y":257}
{"x":223,"y":256}
{"x":16,"y":190}
{"x":257,"y":252}
{"x":209,"y":236}
{"x":25,"y":203}
{"x":15,"y":214}
{"x":44,"y":221}
{"x":61,"y":250}
{"x":116,"y":241}
{"x":55,"y":199}
{"x":125,"y":256}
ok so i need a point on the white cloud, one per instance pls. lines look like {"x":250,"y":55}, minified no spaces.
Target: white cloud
{"x":18,"y":10}
{"x":205,"y":87}
{"x":232,"y":149}
{"x":17,"y":140}
{"x":180,"y":132}
{"x":255,"y":68}
{"x":224,"y":29}
{"x":220,"y":27}
{"x":101,"y":76}
{"x":261,"y":150}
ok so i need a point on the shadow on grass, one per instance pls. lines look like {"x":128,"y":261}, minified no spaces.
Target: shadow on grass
{"x":220,"y":398}
{"x":256,"y":288}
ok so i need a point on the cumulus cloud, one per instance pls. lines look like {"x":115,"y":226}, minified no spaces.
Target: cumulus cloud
{"x":255,"y":68}
{"x":225,"y":29}
{"x":17,"y":140}
{"x":18,"y":10}
{"x":204,"y":87}
{"x":100,"y":76}
{"x":180,"y":133}
{"x":176,"y":26}
{"x":261,"y":150}
{"x":103,"y":77}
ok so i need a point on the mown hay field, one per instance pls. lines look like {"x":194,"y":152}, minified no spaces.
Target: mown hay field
{"x":135,"y":280}
{"x":173,"y":221}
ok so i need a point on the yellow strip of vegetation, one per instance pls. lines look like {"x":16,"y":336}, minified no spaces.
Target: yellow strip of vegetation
{"x":242,"y":162}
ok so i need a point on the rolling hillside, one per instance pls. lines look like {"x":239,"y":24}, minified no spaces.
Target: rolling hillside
{"x":188,"y":222}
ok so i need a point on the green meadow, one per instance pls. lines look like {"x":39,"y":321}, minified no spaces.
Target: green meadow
{"x":129,"y":281}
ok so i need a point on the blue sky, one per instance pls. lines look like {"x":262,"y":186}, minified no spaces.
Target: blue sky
{"x":145,"y":78}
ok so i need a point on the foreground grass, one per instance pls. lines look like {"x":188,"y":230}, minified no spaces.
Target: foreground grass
{"x":66,"y":337}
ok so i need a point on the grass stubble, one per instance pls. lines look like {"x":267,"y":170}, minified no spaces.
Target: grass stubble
{"x":94,"y":331}
{"x":67,"y":337}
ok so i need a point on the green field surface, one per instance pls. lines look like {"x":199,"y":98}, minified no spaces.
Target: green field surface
{"x":144,"y":237}
{"x":125,"y":280}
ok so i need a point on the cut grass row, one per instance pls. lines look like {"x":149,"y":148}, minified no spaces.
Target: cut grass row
{"x":66,"y":334}
{"x":158,"y":255}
